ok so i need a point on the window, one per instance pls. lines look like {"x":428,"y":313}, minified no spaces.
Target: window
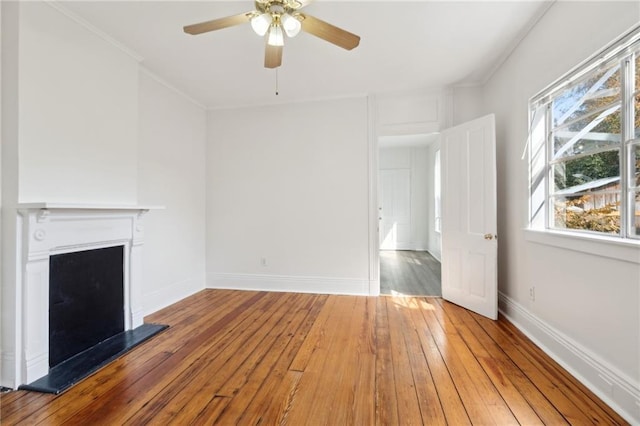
{"x":584,"y":146}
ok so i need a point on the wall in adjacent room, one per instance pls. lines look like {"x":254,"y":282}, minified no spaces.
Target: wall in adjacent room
{"x":171,"y":173}
{"x":287,"y":203}
{"x":415,"y":160}
{"x":434,"y":240}
{"x":586,"y":309}
{"x":78,"y":112}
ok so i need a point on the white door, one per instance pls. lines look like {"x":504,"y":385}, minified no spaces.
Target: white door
{"x":395,"y":209}
{"x":469,"y":245}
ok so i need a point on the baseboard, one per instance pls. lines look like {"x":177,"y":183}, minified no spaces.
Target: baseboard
{"x":285,"y":283}
{"x":436,"y":256}
{"x":7,"y":379}
{"x":168,"y":295}
{"x":618,"y":390}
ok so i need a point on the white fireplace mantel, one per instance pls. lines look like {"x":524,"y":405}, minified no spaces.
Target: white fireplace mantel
{"x":73,"y":206}
{"x":46,"y":229}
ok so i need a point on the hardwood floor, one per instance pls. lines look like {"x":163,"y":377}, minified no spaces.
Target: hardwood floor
{"x":412,"y":273}
{"x":250,"y":358}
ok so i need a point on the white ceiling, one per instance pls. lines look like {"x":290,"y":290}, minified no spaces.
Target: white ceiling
{"x":404,"y":46}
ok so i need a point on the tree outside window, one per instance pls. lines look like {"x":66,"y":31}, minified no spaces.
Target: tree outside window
{"x":586,"y":148}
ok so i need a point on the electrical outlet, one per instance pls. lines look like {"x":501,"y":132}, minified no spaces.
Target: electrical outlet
{"x":532,"y":293}
{"x":263,"y":261}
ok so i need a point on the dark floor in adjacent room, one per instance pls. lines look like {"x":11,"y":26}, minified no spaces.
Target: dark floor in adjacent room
{"x":411,"y":273}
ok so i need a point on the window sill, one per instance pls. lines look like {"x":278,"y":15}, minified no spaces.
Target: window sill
{"x":619,"y":249}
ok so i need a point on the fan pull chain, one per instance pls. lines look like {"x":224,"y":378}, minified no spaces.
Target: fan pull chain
{"x":276,"y":81}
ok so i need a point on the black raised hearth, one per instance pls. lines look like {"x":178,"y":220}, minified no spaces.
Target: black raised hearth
{"x":87,"y":317}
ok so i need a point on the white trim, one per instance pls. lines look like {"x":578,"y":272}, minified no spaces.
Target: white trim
{"x":68,"y":206}
{"x":286,"y":283}
{"x":374,"y":235}
{"x":448,"y":109}
{"x":9,"y":366}
{"x":43,"y":232}
{"x":262,"y":103}
{"x":169,"y":86}
{"x":95,"y":30}
{"x":607,"y":53}
{"x":434,"y":255}
{"x":614,"y":387}
{"x":623,"y":249}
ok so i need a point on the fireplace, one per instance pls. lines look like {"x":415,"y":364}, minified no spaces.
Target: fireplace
{"x":86,"y":300}
{"x":53,"y":240}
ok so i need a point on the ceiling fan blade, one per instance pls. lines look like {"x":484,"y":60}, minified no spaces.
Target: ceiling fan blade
{"x":218,"y":24}
{"x":272,"y":56}
{"x":329,"y":32}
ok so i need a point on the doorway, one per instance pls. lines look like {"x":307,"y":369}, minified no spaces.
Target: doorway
{"x":408,"y":215}
{"x":410,"y":273}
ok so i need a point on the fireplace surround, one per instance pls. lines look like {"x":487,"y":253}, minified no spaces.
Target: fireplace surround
{"x":86,"y":300}
{"x":50,"y":229}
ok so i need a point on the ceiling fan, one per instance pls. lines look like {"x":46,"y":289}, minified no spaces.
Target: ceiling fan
{"x":274,"y":18}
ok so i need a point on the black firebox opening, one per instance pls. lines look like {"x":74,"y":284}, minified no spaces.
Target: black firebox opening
{"x":86,"y":300}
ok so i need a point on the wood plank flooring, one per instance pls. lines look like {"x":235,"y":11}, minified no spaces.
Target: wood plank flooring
{"x":258,"y":358}
{"x":409,"y":273}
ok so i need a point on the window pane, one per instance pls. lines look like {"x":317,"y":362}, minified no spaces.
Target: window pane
{"x":637,"y":108}
{"x":592,"y":133}
{"x":596,"y":172}
{"x":635,"y":221}
{"x":590,"y":212}
{"x":635,"y":158}
{"x":599,"y":89}
{"x":637,"y":97}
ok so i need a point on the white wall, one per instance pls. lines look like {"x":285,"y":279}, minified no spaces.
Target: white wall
{"x":417,"y":112}
{"x":9,"y":148}
{"x":1,"y":215}
{"x":289,"y":183}
{"x":467,"y":103}
{"x":414,"y":159}
{"x":79,"y":125}
{"x":171,"y":173}
{"x":587,"y":307}
{"x":434,"y":240}
{"x":78,"y":112}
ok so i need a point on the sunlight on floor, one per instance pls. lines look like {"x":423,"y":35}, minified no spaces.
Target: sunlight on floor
{"x":411,"y":302}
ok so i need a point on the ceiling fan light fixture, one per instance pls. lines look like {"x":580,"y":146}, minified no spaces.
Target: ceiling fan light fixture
{"x":276,"y":38}
{"x":261,"y":23}
{"x":291,"y":25}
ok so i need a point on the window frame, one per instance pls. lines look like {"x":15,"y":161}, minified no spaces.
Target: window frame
{"x":540,"y":144}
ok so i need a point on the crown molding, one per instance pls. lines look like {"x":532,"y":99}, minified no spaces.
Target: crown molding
{"x":171,"y":87}
{"x":93,"y":29}
{"x":518,"y":39}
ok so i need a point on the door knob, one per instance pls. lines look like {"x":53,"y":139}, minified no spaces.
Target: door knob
{"x":488,"y":236}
